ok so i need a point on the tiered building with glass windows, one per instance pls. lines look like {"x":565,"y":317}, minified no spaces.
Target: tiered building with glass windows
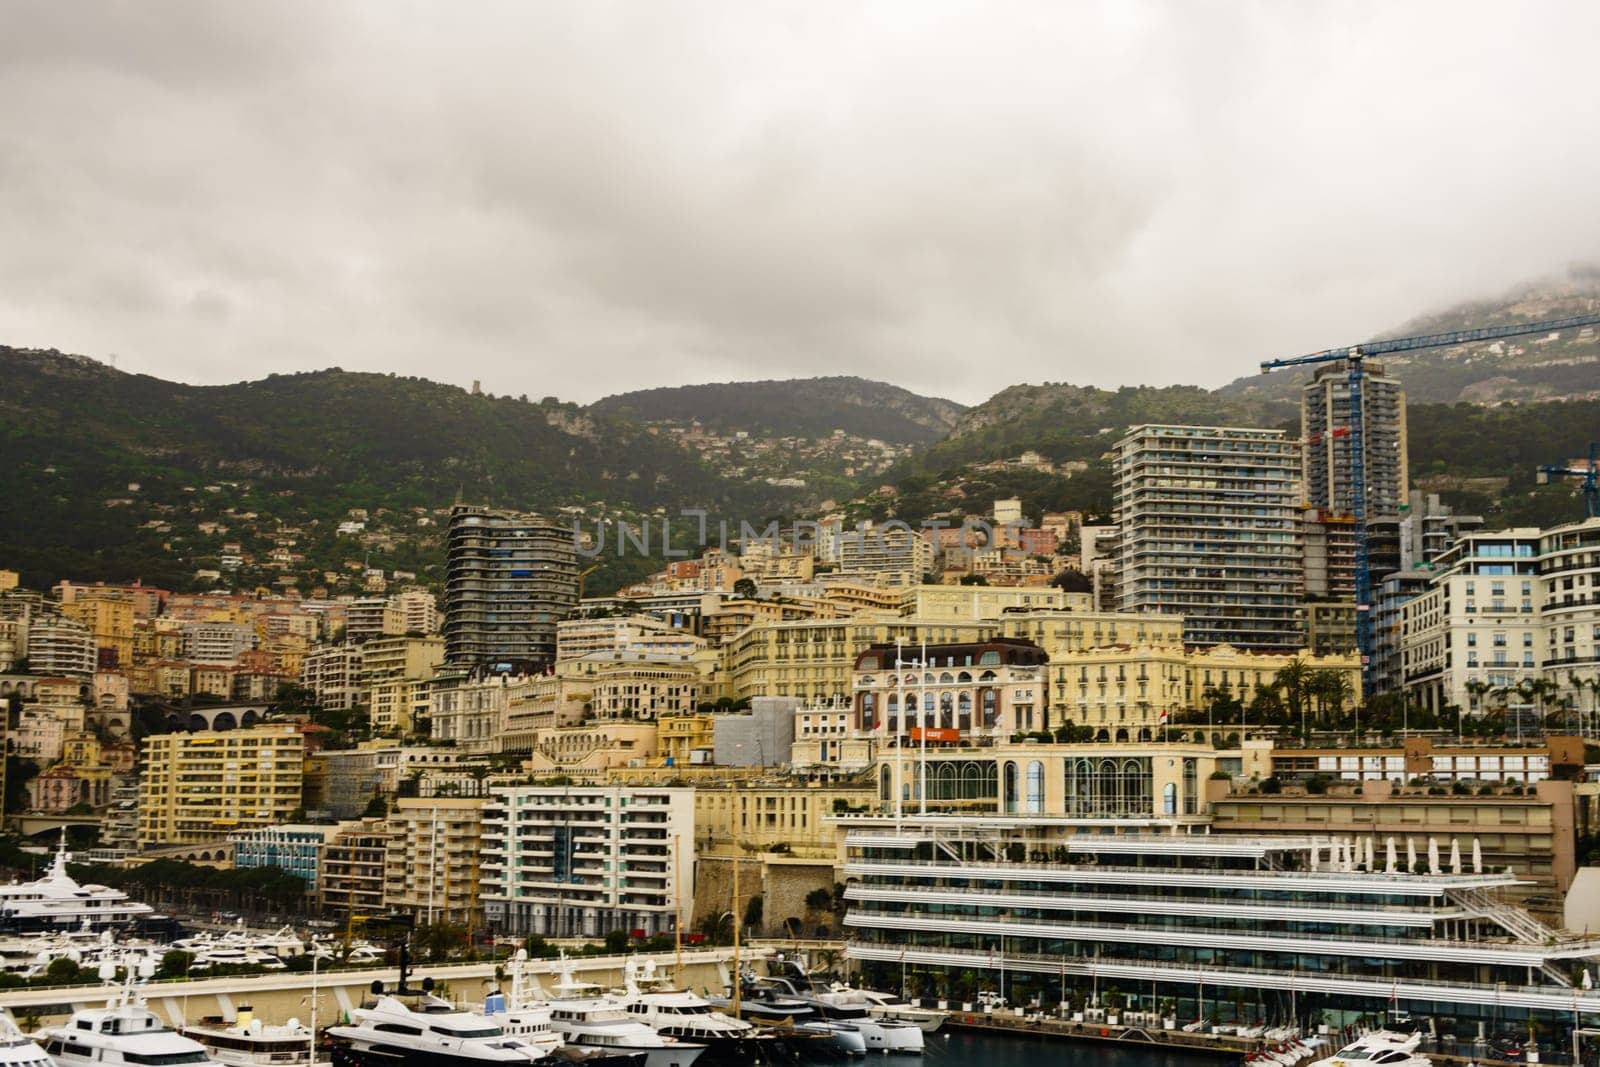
{"x":1109,"y":898}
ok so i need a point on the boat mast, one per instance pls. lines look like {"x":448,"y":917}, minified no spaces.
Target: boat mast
{"x":738,"y":976}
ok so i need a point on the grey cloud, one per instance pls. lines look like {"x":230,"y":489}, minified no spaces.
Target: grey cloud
{"x":580,"y":198}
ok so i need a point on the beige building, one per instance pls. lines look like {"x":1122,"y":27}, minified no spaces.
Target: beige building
{"x":201,"y":787}
{"x":431,"y":860}
{"x":110,"y":620}
{"x":813,"y":660}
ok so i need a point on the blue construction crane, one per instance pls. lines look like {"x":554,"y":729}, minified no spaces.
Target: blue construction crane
{"x":1352,"y":358}
{"x":1589,"y":474}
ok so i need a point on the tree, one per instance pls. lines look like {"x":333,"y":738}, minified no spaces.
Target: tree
{"x":175,"y":963}
{"x":745,"y":589}
{"x":752,"y":913}
{"x":1073,"y":580}
{"x":974,"y":579}
{"x":1292,"y":679}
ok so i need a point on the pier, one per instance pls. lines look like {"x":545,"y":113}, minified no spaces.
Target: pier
{"x":276,"y":997}
{"x":1226,"y":1046}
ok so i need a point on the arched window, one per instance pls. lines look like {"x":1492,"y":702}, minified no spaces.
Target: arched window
{"x":947,"y":713}
{"x":1169,"y":799}
{"x":893,"y":713}
{"x":885,"y":785}
{"x":947,"y":678}
{"x":1035,"y":788}
{"x":869,"y":680}
{"x":945,"y":781}
{"x":964,"y":678}
{"x":1011,"y":789}
{"x":971,"y":780}
{"x":869,"y":708}
{"x":964,"y":710}
{"x":990,"y":712}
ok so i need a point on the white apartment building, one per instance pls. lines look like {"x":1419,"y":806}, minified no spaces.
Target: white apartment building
{"x":217,"y":642}
{"x":334,"y":675}
{"x":418,"y":611}
{"x":58,"y":645}
{"x":580,"y":861}
{"x":891,"y":553}
{"x":1508,"y":609}
{"x":1209,"y":529}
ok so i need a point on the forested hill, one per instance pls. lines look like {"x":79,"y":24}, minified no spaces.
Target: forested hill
{"x":802,"y":407}
{"x":106,"y":473}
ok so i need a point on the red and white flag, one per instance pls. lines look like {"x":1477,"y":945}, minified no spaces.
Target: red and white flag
{"x":1163,"y":720}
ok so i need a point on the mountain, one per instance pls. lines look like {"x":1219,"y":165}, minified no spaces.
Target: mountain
{"x":1068,"y":427}
{"x":109,"y":475}
{"x":1565,"y":366}
{"x":800,"y":407}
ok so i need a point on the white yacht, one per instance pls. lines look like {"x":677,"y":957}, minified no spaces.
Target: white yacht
{"x":251,"y":1043}
{"x":427,"y":1032}
{"x":58,"y":902}
{"x":687,"y":1016}
{"x":1379,"y":1048}
{"x":849,"y":1009}
{"x":17,"y":1049}
{"x":896,"y":1008}
{"x":125,"y":1031}
{"x":587,"y":1017}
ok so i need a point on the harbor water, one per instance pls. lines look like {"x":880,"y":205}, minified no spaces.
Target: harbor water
{"x":956,"y":1048}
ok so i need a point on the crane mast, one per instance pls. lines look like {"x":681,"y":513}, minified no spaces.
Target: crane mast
{"x":1353,"y":357}
{"x":1590,"y":473}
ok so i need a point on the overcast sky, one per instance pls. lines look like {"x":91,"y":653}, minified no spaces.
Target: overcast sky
{"x":581,"y":198}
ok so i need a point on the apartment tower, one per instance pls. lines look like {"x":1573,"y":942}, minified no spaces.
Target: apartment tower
{"x":510,"y":578}
{"x":1325,"y":421}
{"x":1210,"y":529}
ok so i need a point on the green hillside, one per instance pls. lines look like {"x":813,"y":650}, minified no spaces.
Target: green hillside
{"x":296,"y":449}
{"x":802,"y":407}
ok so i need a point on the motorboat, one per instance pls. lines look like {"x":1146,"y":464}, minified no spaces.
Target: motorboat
{"x":587,"y":1017}
{"x":896,"y":1008}
{"x":687,"y":1016}
{"x":125,"y":1030}
{"x":251,"y":1043}
{"x":1379,"y":1048}
{"x":18,"y":1049}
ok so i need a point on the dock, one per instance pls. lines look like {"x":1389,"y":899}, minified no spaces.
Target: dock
{"x":276,"y":997}
{"x":1224,"y":1046}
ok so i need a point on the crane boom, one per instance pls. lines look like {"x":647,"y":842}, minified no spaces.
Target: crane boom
{"x":1433,"y":340}
{"x":1353,"y":358}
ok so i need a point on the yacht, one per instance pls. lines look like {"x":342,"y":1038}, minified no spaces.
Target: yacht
{"x":226,"y":956}
{"x":17,"y":1049}
{"x":765,"y":1002}
{"x":898,"y":1009}
{"x":124,"y":1031}
{"x":531,"y":1023}
{"x":587,"y":1017}
{"x":1379,"y":1048}
{"x":849,"y":1009}
{"x":251,"y":1043}
{"x":410,"y":1030}
{"x":58,"y":902}
{"x":687,"y":1016}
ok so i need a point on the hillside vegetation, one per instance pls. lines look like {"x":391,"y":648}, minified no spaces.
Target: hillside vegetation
{"x":804,"y":407}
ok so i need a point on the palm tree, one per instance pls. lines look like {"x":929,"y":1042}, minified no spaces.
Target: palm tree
{"x":1292,"y":678}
